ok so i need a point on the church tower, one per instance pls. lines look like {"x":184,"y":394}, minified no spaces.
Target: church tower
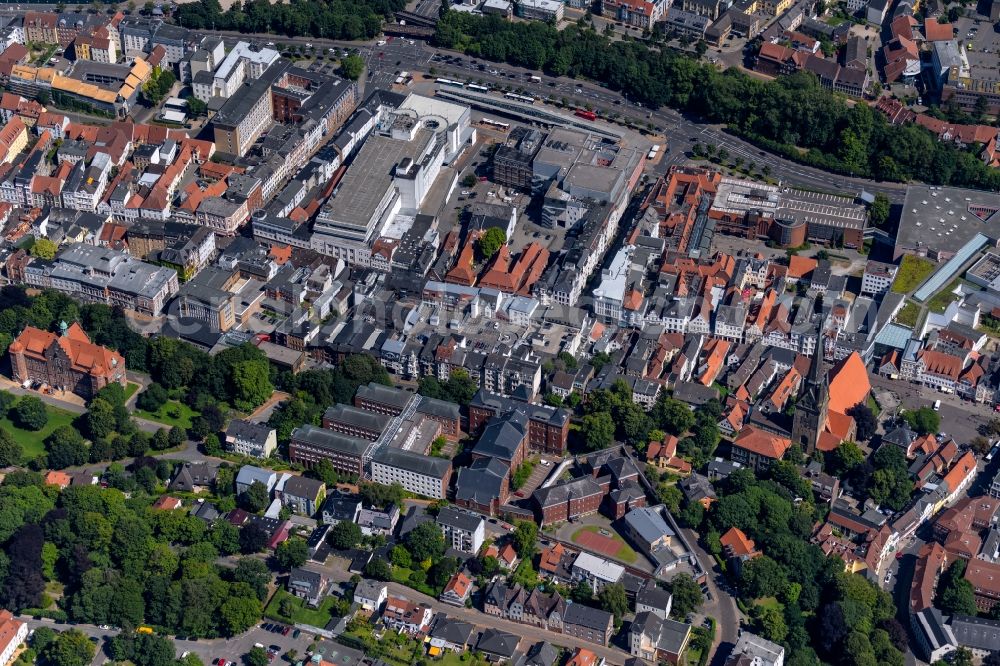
{"x":811,"y":406}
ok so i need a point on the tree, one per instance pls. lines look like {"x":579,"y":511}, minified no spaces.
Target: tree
{"x":672,"y":415}
{"x":865,"y":420}
{"x":772,"y":625}
{"x":762,"y":577}
{"x":154,"y":397}
{"x":70,"y":648}
{"x":924,"y":420}
{"x":400,"y":557}
{"x":878,"y":211}
{"x":954,"y":593}
{"x":255,"y":498}
{"x":378,"y":569}
{"x":469,"y":180}
{"x":524,"y":538}
{"x":425,"y":542}
{"x":352,"y":66}
{"x":344,"y":535}
{"x":254,"y":573}
{"x":843,"y":459}
{"x":599,"y":430}
{"x":251,"y":384}
{"x":257,"y":656}
{"x":582,"y":592}
{"x":325,"y":472}
{"x":252,"y":540}
{"x":196,"y":108}
{"x":10,"y":451}
{"x":240,"y":613}
{"x":613,"y":600}
{"x":687,"y":595}
{"x":45,"y":249}
{"x":100,"y":420}
{"x":30,"y":413}
{"x":292,"y":553}
{"x":490,"y":242}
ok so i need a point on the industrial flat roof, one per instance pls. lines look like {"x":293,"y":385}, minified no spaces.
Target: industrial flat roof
{"x":946,"y":218}
{"x":369,"y":177}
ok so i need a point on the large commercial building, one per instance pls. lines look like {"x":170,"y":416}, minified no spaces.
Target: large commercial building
{"x":419,"y":474}
{"x":392,"y":174}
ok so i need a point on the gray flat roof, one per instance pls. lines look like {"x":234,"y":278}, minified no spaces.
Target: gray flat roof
{"x":946,"y":218}
{"x":369,"y":177}
{"x":412,"y":462}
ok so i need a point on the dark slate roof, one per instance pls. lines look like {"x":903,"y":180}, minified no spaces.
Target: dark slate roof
{"x":341,"y":508}
{"x":435,"y":407}
{"x":585,"y":616}
{"x":360,"y":418}
{"x":459,"y":519}
{"x":541,"y":653}
{"x":301,"y":486}
{"x":653,"y":596}
{"x":976,"y":632}
{"x":498,"y":642}
{"x":413,"y":462}
{"x":254,"y":432}
{"x":451,"y":630}
{"x":329,"y":439}
{"x":386,"y":395}
{"x":502,"y":436}
{"x":561,"y":493}
{"x":481,"y":481}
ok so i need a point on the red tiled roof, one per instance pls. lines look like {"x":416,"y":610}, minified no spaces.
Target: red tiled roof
{"x":762,"y":443}
{"x":738,"y":542}
{"x":938,"y":32}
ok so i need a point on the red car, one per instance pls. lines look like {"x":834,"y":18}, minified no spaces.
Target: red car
{"x":284,"y":632}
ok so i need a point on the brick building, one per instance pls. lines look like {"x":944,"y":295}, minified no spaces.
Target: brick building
{"x":548,"y":427}
{"x":69,"y":361}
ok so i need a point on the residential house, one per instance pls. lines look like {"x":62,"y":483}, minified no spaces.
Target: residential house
{"x":307,"y":584}
{"x":658,"y":640}
{"x":370,"y":595}
{"x":589,"y":624}
{"x":752,"y":650}
{"x":248,"y":475}
{"x":378,"y":521}
{"x":193,"y":477}
{"x":303,"y":495}
{"x":497,"y":646}
{"x":403,"y":615}
{"x":596,"y":571}
{"x":462,"y":530}
{"x":458,"y":590}
{"x":651,"y":598}
{"x":449,"y":634}
{"x":338,"y":507}
{"x":254,"y":440}
{"x":13,"y":634}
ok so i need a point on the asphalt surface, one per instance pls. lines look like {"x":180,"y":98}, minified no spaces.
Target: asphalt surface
{"x":959,"y":418}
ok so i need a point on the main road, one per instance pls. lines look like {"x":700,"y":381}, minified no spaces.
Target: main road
{"x":416,"y":56}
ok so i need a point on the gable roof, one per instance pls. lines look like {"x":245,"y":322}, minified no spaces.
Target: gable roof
{"x":761,"y":442}
{"x":849,"y":384}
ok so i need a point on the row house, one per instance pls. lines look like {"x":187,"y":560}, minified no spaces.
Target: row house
{"x":514,"y":603}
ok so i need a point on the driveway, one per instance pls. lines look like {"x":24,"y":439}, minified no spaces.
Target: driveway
{"x":721,"y":606}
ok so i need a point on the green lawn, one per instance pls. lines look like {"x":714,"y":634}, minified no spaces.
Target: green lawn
{"x":908,"y":315}
{"x":172,"y":413}
{"x":316,"y":617}
{"x":33,"y":441}
{"x":913,"y":271}
{"x":940,"y":301}
{"x":130,"y":390}
{"x":770,"y":602}
{"x":625,"y":552}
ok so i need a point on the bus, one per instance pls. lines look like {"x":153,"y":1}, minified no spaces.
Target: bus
{"x":586,"y":115}
{"x":520,"y":98}
{"x":449,"y":82}
{"x":477,"y":88}
{"x":144,"y":630}
{"x":496,"y":123}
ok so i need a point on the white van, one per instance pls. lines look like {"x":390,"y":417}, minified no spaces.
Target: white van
{"x":937,"y":405}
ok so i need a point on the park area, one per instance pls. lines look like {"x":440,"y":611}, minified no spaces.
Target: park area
{"x":604,"y":541}
{"x":33,"y":441}
{"x":288,"y":608}
{"x":171,"y":413}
